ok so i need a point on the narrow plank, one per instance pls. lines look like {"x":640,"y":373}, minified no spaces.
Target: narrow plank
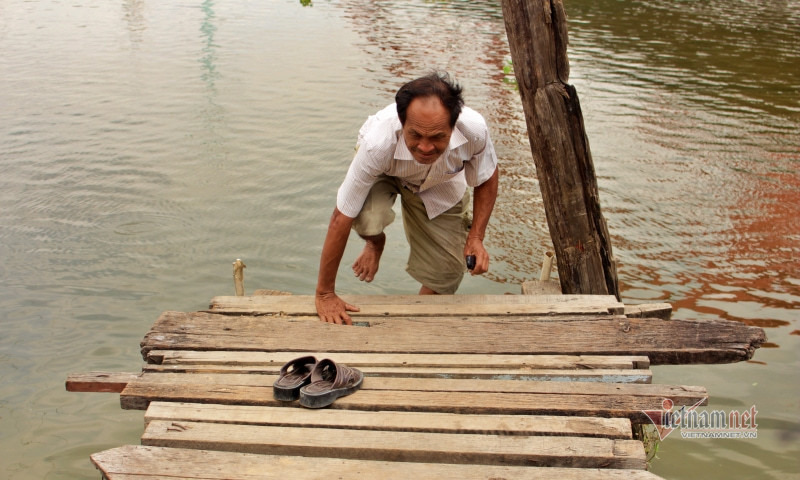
{"x":678,"y":393}
{"x":135,"y":462}
{"x":550,"y":362}
{"x":138,"y":395}
{"x":529,"y":374}
{"x":419,"y":305}
{"x":440,"y":299}
{"x":544,"y":425}
{"x":664,"y":341}
{"x":111,"y":382}
{"x":399,"y":446}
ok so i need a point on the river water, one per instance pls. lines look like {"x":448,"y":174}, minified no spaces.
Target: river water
{"x":146,"y":145}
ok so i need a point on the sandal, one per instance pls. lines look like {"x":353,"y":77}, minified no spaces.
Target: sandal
{"x":293,"y":375}
{"x":330,"y":381}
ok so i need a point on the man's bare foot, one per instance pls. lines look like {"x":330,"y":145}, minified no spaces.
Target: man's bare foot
{"x":427,"y":291}
{"x":366,"y":265}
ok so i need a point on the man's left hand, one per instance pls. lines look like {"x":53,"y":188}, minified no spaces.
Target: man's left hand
{"x":474,"y":246}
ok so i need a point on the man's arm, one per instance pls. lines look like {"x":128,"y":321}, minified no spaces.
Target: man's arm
{"x":330,"y":307}
{"x":483,"y":200}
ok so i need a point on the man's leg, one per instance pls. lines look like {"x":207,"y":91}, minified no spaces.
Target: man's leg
{"x":375,"y":215}
{"x":426,"y":291}
{"x":436,"y":257}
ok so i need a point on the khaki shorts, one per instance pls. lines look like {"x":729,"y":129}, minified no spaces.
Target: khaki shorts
{"x":436,"y":259}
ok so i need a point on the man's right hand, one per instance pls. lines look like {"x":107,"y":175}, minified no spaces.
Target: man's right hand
{"x":332,"y":309}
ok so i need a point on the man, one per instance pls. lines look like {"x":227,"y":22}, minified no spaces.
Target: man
{"x":426,"y":148}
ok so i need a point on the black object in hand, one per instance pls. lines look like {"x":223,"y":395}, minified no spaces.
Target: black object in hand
{"x":470,"y":262}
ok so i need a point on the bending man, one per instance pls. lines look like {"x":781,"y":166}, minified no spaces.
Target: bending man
{"x":427,"y":148}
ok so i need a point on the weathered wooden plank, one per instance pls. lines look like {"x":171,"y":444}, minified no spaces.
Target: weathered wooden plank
{"x":550,"y":362}
{"x":112,"y":382}
{"x":477,"y":299}
{"x":399,"y":446}
{"x":138,"y":396}
{"x":376,"y":396}
{"x":425,"y":305}
{"x":649,"y":310}
{"x":679,"y":393}
{"x":664,"y":341}
{"x":392,"y":421}
{"x":138,"y":462}
{"x":529,"y":374}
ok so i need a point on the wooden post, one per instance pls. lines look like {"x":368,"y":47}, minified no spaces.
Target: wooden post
{"x":537,"y":35}
{"x":238,"y":277}
{"x":547,"y":266}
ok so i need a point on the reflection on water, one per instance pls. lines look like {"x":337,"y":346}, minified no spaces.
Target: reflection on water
{"x":132,"y":11}
{"x":711,"y":86}
{"x":208,"y":30}
{"x":145,"y":145}
{"x":734,"y":57}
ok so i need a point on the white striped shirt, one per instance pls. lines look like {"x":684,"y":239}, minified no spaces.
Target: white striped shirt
{"x":469,"y":159}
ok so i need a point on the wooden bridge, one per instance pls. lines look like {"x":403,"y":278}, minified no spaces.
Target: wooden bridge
{"x":456,"y":387}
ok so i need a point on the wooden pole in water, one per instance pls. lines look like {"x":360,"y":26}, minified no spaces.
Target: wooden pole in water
{"x":238,"y":277}
{"x":537,"y":35}
{"x":547,"y":266}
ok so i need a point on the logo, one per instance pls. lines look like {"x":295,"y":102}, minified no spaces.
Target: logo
{"x":695,"y":423}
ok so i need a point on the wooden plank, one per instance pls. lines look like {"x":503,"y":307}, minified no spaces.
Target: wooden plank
{"x":136,"y":462}
{"x":401,"y":300}
{"x":139,"y":395}
{"x":664,"y":341}
{"x":651,"y":310}
{"x":376,"y":397}
{"x":392,"y":421}
{"x":528,"y":374}
{"x":678,"y":393}
{"x":399,"y":446}
{"x":426,"y":305}
{"x":550,"y":362}
{"x":112,"y":382}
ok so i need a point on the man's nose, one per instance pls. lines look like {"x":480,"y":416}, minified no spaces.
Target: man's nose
{"x":426,"y":147}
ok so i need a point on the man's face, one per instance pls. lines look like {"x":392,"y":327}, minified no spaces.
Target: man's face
{"x":427,"y":129}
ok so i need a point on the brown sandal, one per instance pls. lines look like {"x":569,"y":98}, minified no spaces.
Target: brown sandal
{"x":330,"y":381}
{"x":294,"y":375}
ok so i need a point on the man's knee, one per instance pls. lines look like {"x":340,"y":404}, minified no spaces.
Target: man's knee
{"x":377,"y":212}
{"x":370,"y":224}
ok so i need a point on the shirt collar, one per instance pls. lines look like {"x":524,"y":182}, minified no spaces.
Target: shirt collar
{"x":401,"y":151}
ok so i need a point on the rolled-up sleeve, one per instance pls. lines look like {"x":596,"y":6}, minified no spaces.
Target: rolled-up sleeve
{"x":483,"y":163}
{"x":361,"y":176}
